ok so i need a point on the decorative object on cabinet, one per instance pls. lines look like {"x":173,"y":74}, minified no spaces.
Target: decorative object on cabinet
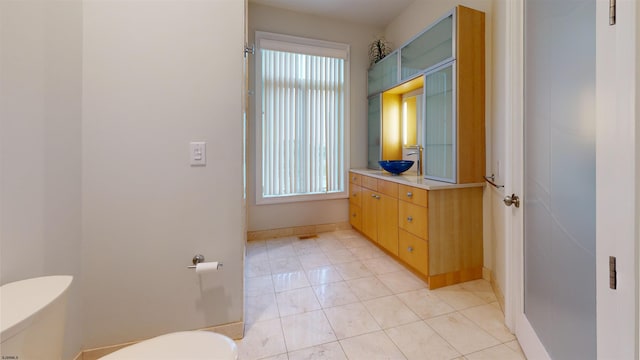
{"x":379,"y":49}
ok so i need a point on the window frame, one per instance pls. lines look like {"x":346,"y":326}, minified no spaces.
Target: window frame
{"x":282,"y":42}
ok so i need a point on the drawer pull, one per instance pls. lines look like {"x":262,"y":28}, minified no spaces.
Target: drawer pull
{"x":409,"y":194}
{"x":373,"y":196}
{"x":410,"y":249}
{"x":353,"y":179}
{"x":410,"y":219}
{"x":354,"y":214}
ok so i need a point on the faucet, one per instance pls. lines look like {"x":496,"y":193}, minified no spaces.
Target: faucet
{"x":419,"y":153}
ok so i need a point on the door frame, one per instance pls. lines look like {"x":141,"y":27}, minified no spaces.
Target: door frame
{"x":617,"y":152}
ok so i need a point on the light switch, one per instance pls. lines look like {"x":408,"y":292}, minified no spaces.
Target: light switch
{"x":198,"y":153}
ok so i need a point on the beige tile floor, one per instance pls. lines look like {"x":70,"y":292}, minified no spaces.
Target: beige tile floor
{"x":338,"y":296}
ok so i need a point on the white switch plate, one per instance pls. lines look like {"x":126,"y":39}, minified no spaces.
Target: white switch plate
{"x":198,"y":153}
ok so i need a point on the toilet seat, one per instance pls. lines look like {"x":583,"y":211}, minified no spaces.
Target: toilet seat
{"x":187,"y":345}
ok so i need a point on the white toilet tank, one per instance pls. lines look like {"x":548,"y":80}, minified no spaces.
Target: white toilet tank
{"x":32,"y":316}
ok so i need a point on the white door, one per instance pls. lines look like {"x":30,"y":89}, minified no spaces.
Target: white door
{"x":578,"y":204}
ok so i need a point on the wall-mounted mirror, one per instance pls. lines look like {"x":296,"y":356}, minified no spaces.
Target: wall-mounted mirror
{"x":411,"y":126}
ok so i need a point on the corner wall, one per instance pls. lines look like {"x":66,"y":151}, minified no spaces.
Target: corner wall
{"x":158,"y":75}
{"x":264,"y":18}
{"x":40,"y":147}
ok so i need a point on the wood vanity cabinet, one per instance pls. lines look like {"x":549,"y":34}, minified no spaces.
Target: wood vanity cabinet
{"x":436,"y":233}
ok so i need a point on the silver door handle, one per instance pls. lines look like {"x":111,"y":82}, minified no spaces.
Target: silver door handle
{"x":409,"y":194}
{"x":410,"y":249}
{"x":410,"y":219}
{"x":512,"y":199}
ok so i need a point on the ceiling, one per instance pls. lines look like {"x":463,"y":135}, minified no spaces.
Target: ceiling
{"x":372,"y":12}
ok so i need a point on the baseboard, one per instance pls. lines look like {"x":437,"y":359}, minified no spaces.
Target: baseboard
{"x":454,"y":277}
{"x":233,"y":330}
{"x":97,"y":353}
{"x":296,"y":231}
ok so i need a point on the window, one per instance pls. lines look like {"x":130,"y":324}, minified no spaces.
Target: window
{"x":301,"y":106}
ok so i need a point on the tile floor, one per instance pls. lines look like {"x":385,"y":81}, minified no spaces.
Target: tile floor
{"x":338,"y":296}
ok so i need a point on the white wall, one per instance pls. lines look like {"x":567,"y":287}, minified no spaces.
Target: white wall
{"x":157,"y":75}
{"x":40,"y":109}
{"x":263,"y":18}
{"x":410,"y":22}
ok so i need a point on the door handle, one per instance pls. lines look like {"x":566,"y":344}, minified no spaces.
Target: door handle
{"x":512,"y":199}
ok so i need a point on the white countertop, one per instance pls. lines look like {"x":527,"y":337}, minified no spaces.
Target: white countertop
{"x":414,"y":180}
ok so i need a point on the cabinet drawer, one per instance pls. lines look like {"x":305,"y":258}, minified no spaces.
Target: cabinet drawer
{"x":355,"y":195}
{"x":413,"y":218}
{"x":413,"y":251}
{"x":370,"y":183}
{"x":412,"y":195}
{"x":388,"y":188}
{"x":355,"y":178}
{"x":355,"y":216}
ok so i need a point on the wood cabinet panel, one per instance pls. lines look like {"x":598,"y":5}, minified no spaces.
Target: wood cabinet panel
{"x":455,"y":230}
{"x":388,"y":223}
{"x":355,"y":195}
{"x":388,"y":188}
{"x":413,"y":218}
{"x":414,"y":251}
{"x":355,"y":179}
{"x":471,"y":95}
{"x":412,"y":195}
{"x":355,"y":216}
{"x":370,"y":183}
{"x":370,"y":214}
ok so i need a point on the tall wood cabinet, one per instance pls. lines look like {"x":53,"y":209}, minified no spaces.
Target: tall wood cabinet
{"x":449,"y":59}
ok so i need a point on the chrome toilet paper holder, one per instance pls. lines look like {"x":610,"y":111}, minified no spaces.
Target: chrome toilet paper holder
{"x":199,"y":258}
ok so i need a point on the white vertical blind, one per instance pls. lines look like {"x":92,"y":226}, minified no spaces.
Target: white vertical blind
{"x":303,"y":115}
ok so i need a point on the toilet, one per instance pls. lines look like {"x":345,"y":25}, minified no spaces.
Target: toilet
{"x":32,"y":317}
{"x":191,"y":345}
{"x":32,"y":327}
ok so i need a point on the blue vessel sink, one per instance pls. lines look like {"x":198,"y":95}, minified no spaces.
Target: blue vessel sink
{"x":396,"y":167}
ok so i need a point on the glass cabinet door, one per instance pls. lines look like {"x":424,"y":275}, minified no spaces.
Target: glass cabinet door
{"x":428,"y":49}
{"x":384,"y":74}
{"x":439,"y":129}
{"x":374,"y":122}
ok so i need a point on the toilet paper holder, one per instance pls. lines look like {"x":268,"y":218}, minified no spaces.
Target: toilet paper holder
{"x":197,"y":259}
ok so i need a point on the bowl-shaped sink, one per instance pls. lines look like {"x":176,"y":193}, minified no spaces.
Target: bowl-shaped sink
{"x":396,"y":167}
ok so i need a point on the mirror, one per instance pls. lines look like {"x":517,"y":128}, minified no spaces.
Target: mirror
{"x":411,"y":118}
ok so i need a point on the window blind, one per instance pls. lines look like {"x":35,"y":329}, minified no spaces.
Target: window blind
{"x":303,"y":115}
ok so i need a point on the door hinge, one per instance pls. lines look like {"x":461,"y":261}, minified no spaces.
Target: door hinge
{"x":613,"y":274}
{"x":612,"y":12}
{"x":249,"y":50}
